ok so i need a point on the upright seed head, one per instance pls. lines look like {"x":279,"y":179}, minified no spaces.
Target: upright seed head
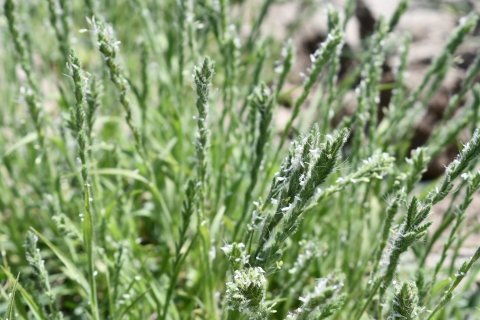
{"x":405,"y":302}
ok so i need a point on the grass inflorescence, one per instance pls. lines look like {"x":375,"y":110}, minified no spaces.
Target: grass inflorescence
{"x":144,"y":173}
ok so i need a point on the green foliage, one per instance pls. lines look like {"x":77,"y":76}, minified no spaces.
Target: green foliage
{"x":130,"y":190}
{"x":9,"y":314}
{"x":405,"y":301}
{"x":247,"y":292}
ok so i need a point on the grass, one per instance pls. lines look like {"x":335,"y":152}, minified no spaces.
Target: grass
{"x":144,"y":176}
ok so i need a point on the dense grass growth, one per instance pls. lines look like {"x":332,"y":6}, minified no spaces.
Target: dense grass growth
{"x":143,"y":176}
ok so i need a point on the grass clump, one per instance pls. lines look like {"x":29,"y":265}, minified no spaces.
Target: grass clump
{"x":130,"y":190}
